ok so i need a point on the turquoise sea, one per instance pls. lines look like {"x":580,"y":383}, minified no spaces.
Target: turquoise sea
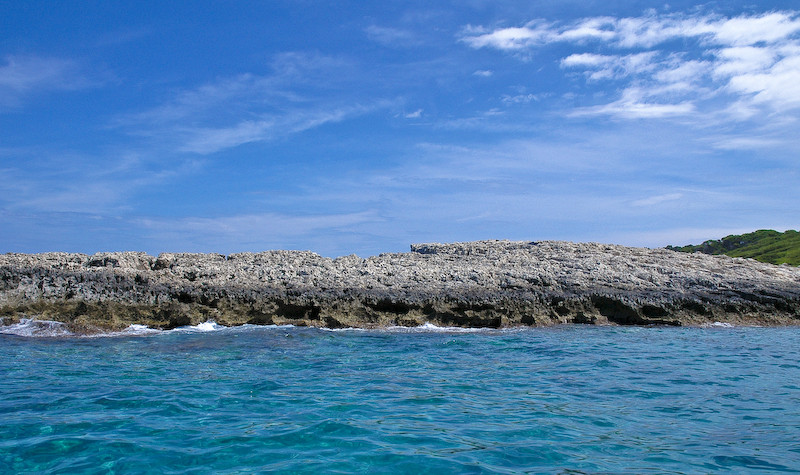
{"x":572,"y":400}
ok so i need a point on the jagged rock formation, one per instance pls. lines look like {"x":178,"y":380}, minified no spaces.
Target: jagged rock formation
{"x":478,"y":284}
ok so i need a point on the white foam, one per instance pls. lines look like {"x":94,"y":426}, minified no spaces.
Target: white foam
{"x":345,"y":329}
{"x":36,"y":328}
{"x":256,"y":326}
{"x":208,"y":326}
{"x":132,"y":330}
{"x":424,"y":328}
{"x":45,"y":328}
{"x":428,"y":327}
{"x":136,"y":328}
{"x":721,"y":325}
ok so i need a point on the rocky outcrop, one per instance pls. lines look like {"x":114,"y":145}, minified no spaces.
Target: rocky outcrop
{"x":476,"y":284}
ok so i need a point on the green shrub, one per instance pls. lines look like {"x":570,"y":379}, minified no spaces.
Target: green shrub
{"x":765,"y":245}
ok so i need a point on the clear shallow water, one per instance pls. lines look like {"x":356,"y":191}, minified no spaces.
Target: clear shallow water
{"x":563,"y":400}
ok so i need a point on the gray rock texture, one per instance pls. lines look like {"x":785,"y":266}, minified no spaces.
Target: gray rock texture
{"x":475,"y":284}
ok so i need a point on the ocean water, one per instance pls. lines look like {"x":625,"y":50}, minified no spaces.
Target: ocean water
{"x":572,"y":399}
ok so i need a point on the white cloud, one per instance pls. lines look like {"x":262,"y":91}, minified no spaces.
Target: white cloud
{"x":483,"y":73}
{"x":590,"y":28}
{"x":645,"y":31}
{"x":742,"y":60}
{"x":747,"y":64}
{"x":586,"y":60}
{"x":766,"y":28}
{"x":514,"y":38}
{"x":414,"y":115}
{"x":778,"y":87}
{"x":649,"y":31}
{"x":536,"y":33}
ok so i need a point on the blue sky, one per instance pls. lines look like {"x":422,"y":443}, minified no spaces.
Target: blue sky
{"x":361,"y":127}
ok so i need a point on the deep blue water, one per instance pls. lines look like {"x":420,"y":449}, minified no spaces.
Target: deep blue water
{"x":575,"y":399}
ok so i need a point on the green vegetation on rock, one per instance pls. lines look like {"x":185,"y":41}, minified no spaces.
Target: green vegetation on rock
{"x":765,"y":245}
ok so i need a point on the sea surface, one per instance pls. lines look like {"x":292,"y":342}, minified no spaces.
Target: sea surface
{"x":572,"y":399}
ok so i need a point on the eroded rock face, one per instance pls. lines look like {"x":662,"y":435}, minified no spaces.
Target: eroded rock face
{"x":478,"y":284}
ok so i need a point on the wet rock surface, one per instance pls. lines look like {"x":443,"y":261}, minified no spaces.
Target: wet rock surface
{"x":475,"y":284}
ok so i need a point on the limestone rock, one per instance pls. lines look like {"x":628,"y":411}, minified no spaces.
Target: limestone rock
{"x":482,"y":284}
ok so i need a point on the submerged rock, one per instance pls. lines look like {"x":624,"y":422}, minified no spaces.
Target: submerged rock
{"x":476,"y":284}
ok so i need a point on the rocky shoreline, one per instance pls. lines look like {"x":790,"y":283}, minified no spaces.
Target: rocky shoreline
{"x":476,"y":284}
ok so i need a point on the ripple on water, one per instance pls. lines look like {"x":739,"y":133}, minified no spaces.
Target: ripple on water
{"x":576,"y":399}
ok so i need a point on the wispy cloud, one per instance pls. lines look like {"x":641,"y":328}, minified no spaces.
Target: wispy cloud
{"x":520,"y":98}
{"x":637,"y":103}
{"x":392,"y":37}
{"x":207,"y":140}
{"x":772,"y":27}
{"x":67,"y":182}
{"x":746,"y":143}
{"x":645,"y":31}
{"x":612,"y":67}
{"x":303,"y":92}
{"x":658,"y":199}
{"x":22,"y":76}
{"x":599,"y":185}
{"x":747,"y":64}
